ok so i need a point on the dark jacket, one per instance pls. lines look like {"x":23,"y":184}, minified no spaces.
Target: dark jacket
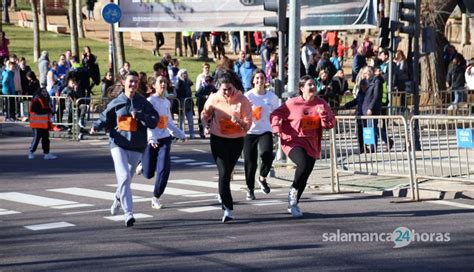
{"x":146,"y":116}
{"x":358,"y":101}
{"x":455,"y":78}
{"x":36,"y":106}
{"x":183,"y":91}
{"x":203,"y":93}
{"x":373,"y":97}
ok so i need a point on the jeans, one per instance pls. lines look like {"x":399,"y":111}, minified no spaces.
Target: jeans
{"x":235,"y":43}
{"x":125,"y":163}
{"x":189,"y":118}
{"x":457,"y":96}
{"x":252,"y":145}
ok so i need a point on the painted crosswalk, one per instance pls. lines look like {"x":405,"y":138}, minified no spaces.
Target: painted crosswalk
{"x":40,"y":200}
{"x":92,"y":193}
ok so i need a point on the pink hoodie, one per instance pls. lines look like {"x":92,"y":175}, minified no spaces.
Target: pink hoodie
{"x":300,"y":123}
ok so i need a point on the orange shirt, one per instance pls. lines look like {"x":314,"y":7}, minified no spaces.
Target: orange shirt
{"x":218,"y":112}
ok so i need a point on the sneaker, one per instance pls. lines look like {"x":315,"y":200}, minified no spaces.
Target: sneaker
{"x":228,"y":216}
{"x":264,"y":185}
{"x":452,"y":107}
{"x":250,"y":195}
{"x":292,"y":197}
{"x":295,"y":211}
{"x":31,"y":156}
{"x":139,"y":169}
{"x":115,"y":208}
{"x":155,"y":203}
{"x":129,"y":221}
{"x":50,"y":156}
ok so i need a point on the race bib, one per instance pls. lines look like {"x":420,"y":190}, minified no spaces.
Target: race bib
{"x":127,"y":123}
{"x":229,"y":127}
{"x":310,"y":122}
{"x":163,"y":122}
{"x":257,"y":113}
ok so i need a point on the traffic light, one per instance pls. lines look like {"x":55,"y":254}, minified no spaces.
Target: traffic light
{"x":403,"y":16}
{"x":278,"y":6}
{"x":384,"y":34}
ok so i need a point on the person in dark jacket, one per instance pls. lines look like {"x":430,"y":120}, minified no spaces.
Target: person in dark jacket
{"x":32,"y":83}
{"x":358,"y":62}
{"x":127,"y":118}
{"x":90,"y":9}
{"x":206,"y":88}
{"x":456,"y":80}
{"x":40,"y":122}
{"x":184,"y":94}
{"x":358,"y":102}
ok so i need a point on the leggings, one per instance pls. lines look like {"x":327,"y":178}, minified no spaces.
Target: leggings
{"x":252,"y":145}
{"x":304,"y":167}
{"x":226,"y":152}
{"x":43,"y":135}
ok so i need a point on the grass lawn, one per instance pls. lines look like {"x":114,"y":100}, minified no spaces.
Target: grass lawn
{"x":21,"y":44}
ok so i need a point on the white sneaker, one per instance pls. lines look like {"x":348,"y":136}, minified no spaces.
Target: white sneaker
{"x":129,"y":221}
{"x":452,"y":107}
{"x":292,"y":197}
{"x":31,"y":156}
{"x":115,"y":208}
{"x":219,"y":199}
{"x":156,"y":203}
{"x":228,"y":216}
{"x":139,"y":169}
{"x":50,"y":156}
{"x":295,"y":211}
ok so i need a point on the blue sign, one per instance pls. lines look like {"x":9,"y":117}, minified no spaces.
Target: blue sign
{"x":111,"y":13}
{"x":465,"y":138}
{"x":368,"y":135}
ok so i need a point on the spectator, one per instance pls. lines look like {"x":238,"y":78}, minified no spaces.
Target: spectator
{"x":24,"y":69}
{"x":313,"y":64}
{"x":333,"y":41}
{"x":205,"y":89}
{"x":43,"y":67}
{"x":354,"y":48}
{"x":32,"y":83}
{"x":258,"y":39}
{"x":358,"y":102}
{"x":16,"y":70}
{"x":235,"y":38}
{"x":306,"y":51}
{"x":68,"y":55}
{"x":142,"y":84}
{"x":469,"y":75}
{"x":358,"y":62}
{"x":456,"y":81}
{"x":239,"y":62}
{"x":341,"y":51}
{"x":89,"y":61}
{"x":184,"y":94}
{"x":160,"y":41}
{"x":246,"y":73}
{"x":124,"y":70}
{"x":368,"y":46}
{"x":216,"y":45}
{"x":326,"y":65}
{"x":335,"y":60}
{"x":63,"y":68}
{"x":90,"y":9}
{"x":324,"y":86}
{"x":188,"y":43}
{"x":402,"y":71}
{"x":202,"y":76}
{"x":340,"y":86}
{"x":8,"y":88}
{"x":4,"y":51}
{"x":271,"y":71}
{"x":265,"y":52}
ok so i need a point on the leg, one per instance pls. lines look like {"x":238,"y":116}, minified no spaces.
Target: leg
{"x":149,"y":161}
{"x":250,"y":159}
{"x":44,"y":140}
{"x":265,"y":145}
{"x":163,"y":164}
{"x":35,"y":141}
{"x":189,"y":117}
{"x":304,"y":167}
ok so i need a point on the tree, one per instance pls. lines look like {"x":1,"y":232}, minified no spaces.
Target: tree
{"x":13,"y":5}
{"x":80,"y":23}
{"x":36,"y":32}
{"x":120,"y":48}
{"x":43,"y":22}
{"x":6,"y":15}
{"x":73,"y":28}
{"x":434,"y":13}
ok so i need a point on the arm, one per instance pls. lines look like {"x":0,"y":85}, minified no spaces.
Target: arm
{"x":208,"y":111}
{"x":328,"y":119}
{"x":148,"y":116}
{"x":277,"y":116}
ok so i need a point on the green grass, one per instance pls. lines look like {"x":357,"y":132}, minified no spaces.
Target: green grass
{"x":21,"y":44}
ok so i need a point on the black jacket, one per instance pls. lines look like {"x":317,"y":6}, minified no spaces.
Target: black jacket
{"x":373,"y":97}
{"x":455,"y":78}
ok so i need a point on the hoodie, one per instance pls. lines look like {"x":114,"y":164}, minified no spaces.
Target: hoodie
{"x":246,"y":72}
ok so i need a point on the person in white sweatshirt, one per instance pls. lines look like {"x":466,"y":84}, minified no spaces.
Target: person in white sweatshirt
{"x":259,"y":137}
{"x":156,"y":157}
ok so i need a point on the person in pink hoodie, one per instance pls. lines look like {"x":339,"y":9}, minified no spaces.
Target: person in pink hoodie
{"x":227,"y":115}
{"x":300,"y":123}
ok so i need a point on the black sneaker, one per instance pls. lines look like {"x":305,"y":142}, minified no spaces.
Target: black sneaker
{"x":264,"y":185}
{"x":250,"y":195}
{"x":130,"y":221}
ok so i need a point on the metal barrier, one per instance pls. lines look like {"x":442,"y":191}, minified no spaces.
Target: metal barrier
{"x":447,"y":148}
{"x":357,"y":148}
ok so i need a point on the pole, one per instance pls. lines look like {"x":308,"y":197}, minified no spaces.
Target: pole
{"x":294,"y":46}
{"x":114,"y":58}
{"x":416,"y":72}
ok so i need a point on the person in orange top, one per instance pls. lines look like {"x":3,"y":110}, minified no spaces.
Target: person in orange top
{"x":300,"y":123}
{"x":227,"y":115}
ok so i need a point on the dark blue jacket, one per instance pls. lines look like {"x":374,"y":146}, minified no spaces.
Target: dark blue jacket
{"x":146,"y":116}
{"x":358,"y":101}
{"x":373,"y":97}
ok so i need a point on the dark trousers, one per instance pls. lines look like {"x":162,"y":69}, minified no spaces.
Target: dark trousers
{"x":226,"y":152}
{"x":304,"y":167}
{"x":253,"y":145}
{"x":10,"y":107}
{"x":43,"y":135}
{"x":160,"y":40}
{"x":158,"y":159}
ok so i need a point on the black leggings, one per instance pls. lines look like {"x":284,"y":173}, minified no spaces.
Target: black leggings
{"x":252,"y":145}
{"x":43,"y":135}
{"x":304,"y":167}
{"x":226,"y":152}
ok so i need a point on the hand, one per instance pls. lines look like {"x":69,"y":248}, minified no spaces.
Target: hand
{"x":134,"y":114}
{"x":369,"y":112}
{"x":93,"y":131}
{"x":207,"y":130}
{"x":155,"y":145}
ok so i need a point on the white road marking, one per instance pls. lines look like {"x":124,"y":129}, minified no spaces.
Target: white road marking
{"x":8,"y":212}
{"x":268,"y":203}
{"x":450,"y":203}
{"x":34,"y":199}
{"x":199,"y":150}
{"x":196,"y":201}
{"x":198,"y":163}
{"x":170,"y":190}
{"x":91,"y":211}
{"x":183,"y":160}
{"x":72,"y":206}
{"x":329,"y":197}
{"x":89,"y":193}
{"x":99,"y":143}
{"x":200,"y":209}
{"x":122,"y":217}
{"x":201,"y":183}
{"x":209,"y":166}
{"x":174,"y":157}
{"x":47,"y":226}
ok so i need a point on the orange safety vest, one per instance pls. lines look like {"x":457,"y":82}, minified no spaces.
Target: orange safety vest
{"x":39,"y":120}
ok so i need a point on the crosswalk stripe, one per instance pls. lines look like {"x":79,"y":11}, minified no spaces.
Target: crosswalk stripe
{"x":89,"y":193}
{"x":174,"y":157}
{"x":200,"y":151}
{"x":209,"y":166}
{"x":47,"y":226}
{"x":99,"y":143}
{"x":8,"y":212}
{"x":269,"y":202}
{"x":199,"y":209}
{"x":34,"y":199}
{"x":183,"y":160}
{"x":451,"y":203}
{"x":122,"y":217}
{"x":72,"y":206}
{"x":170,"y":190}
{"x":202,"y":183}
{"x":198,"y":163}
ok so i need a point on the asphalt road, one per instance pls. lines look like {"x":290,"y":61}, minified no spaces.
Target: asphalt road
{"x":71,"y":195}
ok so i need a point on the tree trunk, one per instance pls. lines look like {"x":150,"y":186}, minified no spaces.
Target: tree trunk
{"x":13,"y":5}
{"x":80,"y":23}
{"x":73,"y":28}
{"x":6,"y":15}
{"x":178,"y":49}
{"x":36,"y":32}
{"x":43,"y":21}
{"x":120,"y":49}
{"x":434,"y":13}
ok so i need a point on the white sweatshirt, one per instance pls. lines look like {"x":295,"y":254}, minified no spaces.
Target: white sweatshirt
{"x":165,"y":126}
{"x":267,"y":103}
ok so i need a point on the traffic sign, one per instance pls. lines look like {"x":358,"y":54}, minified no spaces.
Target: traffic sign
{"x":111,"y":13}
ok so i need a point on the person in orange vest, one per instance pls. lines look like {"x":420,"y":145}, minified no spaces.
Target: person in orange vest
{"x":40,"y":122}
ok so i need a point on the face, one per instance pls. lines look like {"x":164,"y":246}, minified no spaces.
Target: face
{"x":340,"y":73}
{"x":62,"y":60}
{"x":205,"y":69}
{"x":160,"y":85}
{"x":108,"y":75}
{"x":259,"y":80}
{"x":227,"y":89}
{"x":126,"y":66}
{"x":131,"y":85}
{"x":383,"y":57}
{"x":324,"y":76}
{"x":86,"y":50}
{"x":242,"y":56}
{"x":68,"y":54}
{"x":184,"y":75}
{"x":309,"y":88}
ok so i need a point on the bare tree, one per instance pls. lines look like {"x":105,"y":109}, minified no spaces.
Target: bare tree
{"x":36,"y":32}
{"x":73,"y":28}
{"x":119,"y":45}
{"x":6,"y":15}
{"x":13,"y":5}
{"x":80,"y":23}
{"x":434,"y":13}
{"x":43,"y":21}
